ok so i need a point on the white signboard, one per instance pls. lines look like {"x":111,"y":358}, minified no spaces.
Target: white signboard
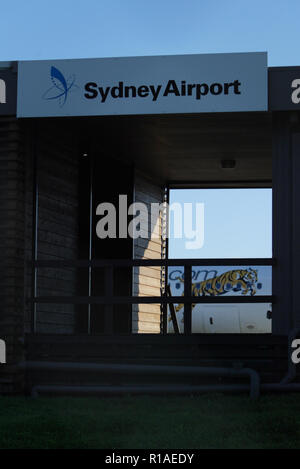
{"x":143,"y":85}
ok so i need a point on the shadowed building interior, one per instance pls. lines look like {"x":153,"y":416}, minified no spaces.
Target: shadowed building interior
{"x":73,"y":175}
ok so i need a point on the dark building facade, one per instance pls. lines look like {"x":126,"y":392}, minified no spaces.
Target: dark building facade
{"x":54,"y":172}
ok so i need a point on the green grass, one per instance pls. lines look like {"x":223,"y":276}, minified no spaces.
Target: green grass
{"x":210,"y":421}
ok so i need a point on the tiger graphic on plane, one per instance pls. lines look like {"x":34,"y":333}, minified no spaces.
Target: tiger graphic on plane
{"x":243,"y":280}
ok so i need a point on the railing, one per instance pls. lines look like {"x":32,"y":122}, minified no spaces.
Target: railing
{"x":109,"y":299}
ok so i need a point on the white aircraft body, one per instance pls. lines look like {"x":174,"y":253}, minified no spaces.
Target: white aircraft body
{"x":225,"y":281}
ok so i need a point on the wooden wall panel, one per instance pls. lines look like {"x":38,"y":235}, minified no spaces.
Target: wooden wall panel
{"x":57,"y":175}
{"x":12,"y":221}
{"x":147,"y":280}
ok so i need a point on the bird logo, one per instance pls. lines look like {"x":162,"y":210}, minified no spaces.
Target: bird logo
{"x":61,"y":86}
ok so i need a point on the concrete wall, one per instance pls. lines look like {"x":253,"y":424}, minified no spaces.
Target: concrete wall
{"x":147,"y":281}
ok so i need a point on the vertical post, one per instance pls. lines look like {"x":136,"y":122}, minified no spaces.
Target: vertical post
{"x":187,"y":306}
{"x":165,"y":238}
{"x":90,"y":241}
{"x":165,"y":306}
{"x":35,"y":209}
{"x":109,"y":292}
{"x":295,"y":148}
{"x":283,"y":204}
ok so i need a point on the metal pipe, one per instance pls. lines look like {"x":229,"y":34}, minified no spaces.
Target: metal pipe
{"x":292,"y":387}
{"x":158,"y":389}
{"x":158,"y":369}
{"x":35,"y":216}
{"x":135,"y":389}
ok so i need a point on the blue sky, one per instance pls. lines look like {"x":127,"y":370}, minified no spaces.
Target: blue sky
{"x":237,"y":223}
{"x":43,"y":29}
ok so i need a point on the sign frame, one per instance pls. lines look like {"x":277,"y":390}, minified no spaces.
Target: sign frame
{"x":175,"y":84}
